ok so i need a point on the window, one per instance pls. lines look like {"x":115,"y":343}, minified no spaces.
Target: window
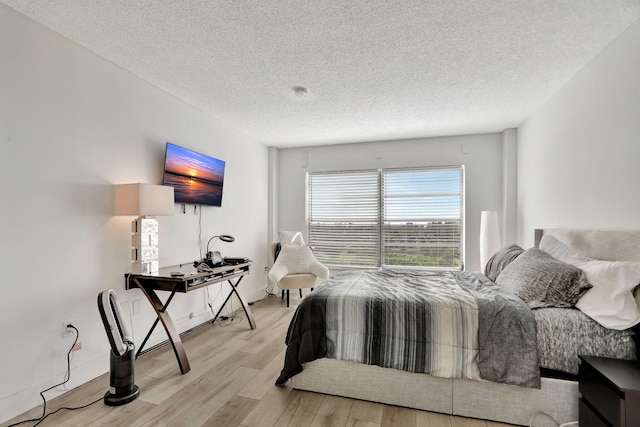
{"x":388,"y":217}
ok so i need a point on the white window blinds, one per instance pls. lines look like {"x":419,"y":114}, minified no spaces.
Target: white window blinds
{"x":389,"y":217}
{"x":344,"y":217}
{"x":422,"y":217}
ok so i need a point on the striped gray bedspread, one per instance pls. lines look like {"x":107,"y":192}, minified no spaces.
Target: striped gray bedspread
{"x":445,"y":324}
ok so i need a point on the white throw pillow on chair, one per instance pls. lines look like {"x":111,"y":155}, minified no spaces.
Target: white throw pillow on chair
{"x":288,"y":238}
{"x":296,"y":259}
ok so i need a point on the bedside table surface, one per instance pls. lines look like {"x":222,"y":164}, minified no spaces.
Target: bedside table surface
{"x":624,"y":374}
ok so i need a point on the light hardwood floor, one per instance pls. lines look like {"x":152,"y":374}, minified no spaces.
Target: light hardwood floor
{"x":231,"y":383}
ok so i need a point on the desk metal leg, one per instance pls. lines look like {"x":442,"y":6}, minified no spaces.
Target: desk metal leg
{"x":155,"y":323}
{"x":243,"y":302}
{"x":169,"y":327}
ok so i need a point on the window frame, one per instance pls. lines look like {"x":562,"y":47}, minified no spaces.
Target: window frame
{"x":382,"y":217}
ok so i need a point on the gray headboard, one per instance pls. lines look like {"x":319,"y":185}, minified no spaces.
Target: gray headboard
{"x":599,"y":244}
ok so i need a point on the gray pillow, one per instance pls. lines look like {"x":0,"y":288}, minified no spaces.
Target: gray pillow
{"x":544,"y":281}
{"x":500,"y":260}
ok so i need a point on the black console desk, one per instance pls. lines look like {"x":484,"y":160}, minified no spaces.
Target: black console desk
{"x":190,"y":281}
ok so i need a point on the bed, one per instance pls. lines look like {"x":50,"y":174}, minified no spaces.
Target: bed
{"x":512,"y":392}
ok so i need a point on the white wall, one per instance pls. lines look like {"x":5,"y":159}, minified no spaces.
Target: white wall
{"x":481,"y":155}
{"x":71,"y":126}
{"x":578,"y":155}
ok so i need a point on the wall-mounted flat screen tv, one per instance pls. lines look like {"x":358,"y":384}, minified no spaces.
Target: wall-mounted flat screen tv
{"x":197,"y":178}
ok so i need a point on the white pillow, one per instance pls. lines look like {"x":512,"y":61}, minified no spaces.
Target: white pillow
{"x":296,"y":259}
{"x":559,"y":250}
{"x":291,"y":238}
{"x":610,"y":302}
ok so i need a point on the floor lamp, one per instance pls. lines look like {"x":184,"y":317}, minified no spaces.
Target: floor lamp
{"x":145,"y":201}
{"x":489,"y":236}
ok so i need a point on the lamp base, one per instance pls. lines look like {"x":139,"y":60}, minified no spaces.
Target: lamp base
{"x":144,"y":242}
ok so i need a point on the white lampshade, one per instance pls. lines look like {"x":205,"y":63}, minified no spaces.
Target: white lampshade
{"x":489,"y":236}
{"x":143,"y":199}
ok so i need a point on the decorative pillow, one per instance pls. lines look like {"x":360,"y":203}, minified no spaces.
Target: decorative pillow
{"x":291,"y":238}
{"x":559,"y":250}
{"x":500,"y":260}
{"x":296,"y":259}
{"x":611,"y":301}
{"x":544,"y":281}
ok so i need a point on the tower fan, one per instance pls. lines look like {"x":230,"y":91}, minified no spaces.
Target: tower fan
{"x":122,"y":388}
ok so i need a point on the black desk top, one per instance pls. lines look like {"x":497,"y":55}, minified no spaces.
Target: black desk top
{"x":191,"y":279}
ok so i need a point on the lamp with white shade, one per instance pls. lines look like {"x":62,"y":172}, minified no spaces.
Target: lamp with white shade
{"x":145,"y":201}
{"x":489,"y":236}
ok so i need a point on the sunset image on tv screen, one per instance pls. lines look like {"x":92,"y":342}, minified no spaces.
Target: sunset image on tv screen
{"x":196,"y":178}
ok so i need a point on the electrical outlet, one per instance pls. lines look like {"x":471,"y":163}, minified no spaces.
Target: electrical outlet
{"x":135,"y":305}
{"x":66,"y":330}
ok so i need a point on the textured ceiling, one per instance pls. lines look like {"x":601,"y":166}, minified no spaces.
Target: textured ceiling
{"x":375,"y":70}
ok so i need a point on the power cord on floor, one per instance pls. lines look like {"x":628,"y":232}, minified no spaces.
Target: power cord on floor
{"x":67,"y":377}
{"x":224,"y":321}
{"x":270,"y":289}
{"x":542,"y":419}
{"x":271,"y":286}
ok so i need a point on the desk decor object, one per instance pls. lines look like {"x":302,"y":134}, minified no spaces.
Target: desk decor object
{"x":145,"y":201}
{"x":213,"y":258}
{"x":182,"y":279}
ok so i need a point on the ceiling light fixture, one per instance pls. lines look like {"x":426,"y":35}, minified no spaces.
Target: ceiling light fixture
{"x":300,"y":91}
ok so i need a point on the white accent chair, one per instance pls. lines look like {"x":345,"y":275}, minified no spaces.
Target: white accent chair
{"x":294,"y":280}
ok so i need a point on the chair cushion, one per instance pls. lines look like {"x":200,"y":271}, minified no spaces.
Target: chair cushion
{"x":298,"y":281}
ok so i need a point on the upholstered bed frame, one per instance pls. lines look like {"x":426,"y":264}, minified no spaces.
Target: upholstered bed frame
{"x":491,"y":401}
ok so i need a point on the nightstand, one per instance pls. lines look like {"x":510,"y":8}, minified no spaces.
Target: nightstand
{"x":609,"y":392}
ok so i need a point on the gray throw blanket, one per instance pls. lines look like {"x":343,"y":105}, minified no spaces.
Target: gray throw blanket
{"x":447,"y":324}
{"x":507,"y":334}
